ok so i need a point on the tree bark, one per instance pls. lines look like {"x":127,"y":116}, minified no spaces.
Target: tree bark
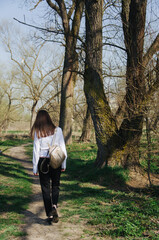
{"x":126,"y":151}
{"x":133,"y":18}
{"x":148,"y":136}
{"x":116,"y":147}
{"x":70,"y":68}
{"x":127,"y":142}
{"x":67,"y":89}
{"x":33,"y":114}
{"x":86,"y":131}
{"x":103,"y":120}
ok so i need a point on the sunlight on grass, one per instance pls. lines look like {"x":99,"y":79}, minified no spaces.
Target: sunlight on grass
{"x":15,"y":190}
{"x":95,"y":197}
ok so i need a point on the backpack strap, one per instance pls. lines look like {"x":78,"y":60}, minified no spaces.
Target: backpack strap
{"x":41,"y":166}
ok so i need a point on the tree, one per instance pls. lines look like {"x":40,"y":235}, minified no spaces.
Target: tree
{"x":9,"y":103}
{"x":103,"y":120}
{"x":86,"y":130}
{"x":36,"y":74}
{"x":133,"y":19}
{"x":118,"y":146}
{"x":70,"y":15}
{"x":151,"y":117}
{"x":70,"y":62}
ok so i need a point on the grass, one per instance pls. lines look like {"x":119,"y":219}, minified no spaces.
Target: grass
{"x":101,"y":201}
{"x":15,"y":132}
{"x":29,"y":150}
{"x":15,"y":190}
{"x":4,"y":145}
{"x":154,"y":163}
{"x":97,"y":197}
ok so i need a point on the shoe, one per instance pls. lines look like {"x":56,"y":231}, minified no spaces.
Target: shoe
{"x":55,"y":215}
{"x":49,"y":220}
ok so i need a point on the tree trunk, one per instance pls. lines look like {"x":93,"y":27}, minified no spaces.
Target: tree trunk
{"x":131,"y":127}
{"x":116,"y":147}
{"x":86,"y":131}
{"x":33,"y":114}
{"x":103,"y":120}
{"x":154,"y":126}
{"x":127,"y":142}
{"x":67,"y":89}
{"x":70,"y":67}
{"x":148,"y":136}
{"x":126,"y":152}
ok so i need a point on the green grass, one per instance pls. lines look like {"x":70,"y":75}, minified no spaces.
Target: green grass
{"x":29,"y":150}
{"x":15,"y":190}
{"x":4,"y":145}
{"x":97,"y":198}
{"x":154,"y":162}
{"x":14,"y":132}
{"x":101,"y":199}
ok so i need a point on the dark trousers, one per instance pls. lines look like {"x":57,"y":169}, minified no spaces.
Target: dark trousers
{"x":50,"y":183}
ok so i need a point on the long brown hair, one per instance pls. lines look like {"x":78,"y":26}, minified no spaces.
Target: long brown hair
{"x":43,"y":125}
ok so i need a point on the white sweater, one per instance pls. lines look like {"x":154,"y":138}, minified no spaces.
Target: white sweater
{"x":41,"y":147}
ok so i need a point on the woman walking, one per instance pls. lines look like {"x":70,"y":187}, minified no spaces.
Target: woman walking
{"x":43,"y":132}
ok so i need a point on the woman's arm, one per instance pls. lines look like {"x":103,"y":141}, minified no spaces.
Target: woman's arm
{"x":60,"y":141}
{"x":36,"y":150}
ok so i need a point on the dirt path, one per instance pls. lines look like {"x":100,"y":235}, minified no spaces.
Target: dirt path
{"x":35,"y":225}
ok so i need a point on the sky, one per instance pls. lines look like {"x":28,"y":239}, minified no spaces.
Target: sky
{"x":10,"y":9}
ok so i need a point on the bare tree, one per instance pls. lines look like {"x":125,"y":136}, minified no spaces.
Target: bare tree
{"x":36,"y":74}
{"x":118,"y":146}
{"x":9,"y":102}
{"x":70,"y":14}
{"x":151,"y":117}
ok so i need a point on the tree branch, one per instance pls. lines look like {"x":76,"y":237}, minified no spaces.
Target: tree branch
{"x":64,"y":16}
{"x":125,"y":20}
{"x":53,"y":6}
{"x":50,"y":72}
{"x":77,"y":18}
{"x":39,"y":28}
{"x":34,"y":64}
{"x":48,"y":30}
{"x":51,"y":99}
{"x":27,"y":65}
{"x":36,"y":5}
{"x":14,"y":60}
{"x":71,"y":9}
{"x":151,"y":51}
{"x":114,"y":45}
{"x":150,"y":92}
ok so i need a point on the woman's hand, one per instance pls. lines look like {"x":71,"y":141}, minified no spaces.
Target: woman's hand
{"x":35,"y":174}
{"x":63,"y":169}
